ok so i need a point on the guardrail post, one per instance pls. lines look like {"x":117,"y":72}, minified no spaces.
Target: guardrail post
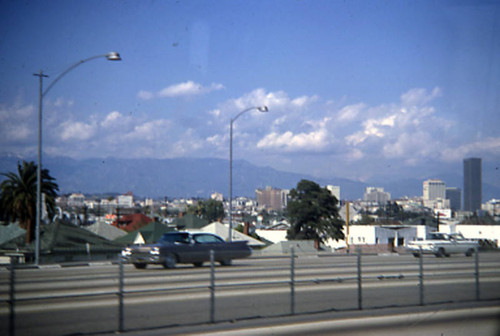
{"x":476,"y":272}
{"x":292,"y":281}
{"x":12,"y":299}
{"x":360,"y":295}
{"x":421,"y":276}
{"x":120,"y":295}
{"x":212,"y":287}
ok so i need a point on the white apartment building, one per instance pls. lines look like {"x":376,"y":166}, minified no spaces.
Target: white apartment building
{"x":335,"y":190}
{"x":492,"y":207}
{"x":125,"y":201}
{"x":76,"y":200}
{"x":376,"y":194}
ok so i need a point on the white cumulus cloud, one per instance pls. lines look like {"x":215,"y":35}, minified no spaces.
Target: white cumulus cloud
{"x":16,"y":122}
{"x":419,"y":96}
{"x":289,"y":141}
{"x":76,"y":130}
{"x":112,"y":119}
{"x":350,"y":112}
{"x":146,"y":95}
{"x":150,"y":130}
{"x":188,"y":88}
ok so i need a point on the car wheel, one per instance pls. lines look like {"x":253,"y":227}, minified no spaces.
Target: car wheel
{"x":469,"y":253}
{"x":170,"y":261}
{"x":198,"y":264}
{"x":140,"y":265}
{"x":440,"y":253}
{"x":226,"y":262}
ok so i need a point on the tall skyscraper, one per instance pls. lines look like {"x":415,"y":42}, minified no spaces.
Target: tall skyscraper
{"x":455,"y":197}
{"x":472,"y":184}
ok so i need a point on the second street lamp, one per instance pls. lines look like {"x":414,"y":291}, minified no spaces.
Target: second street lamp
{"x":111,"y":56}
{"x":262,"y":108}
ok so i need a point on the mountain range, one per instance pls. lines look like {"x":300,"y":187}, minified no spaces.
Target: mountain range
{"x":200,"y":177}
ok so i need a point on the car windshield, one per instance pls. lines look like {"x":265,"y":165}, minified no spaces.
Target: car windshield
{"x":173,"y":238}
{"x":457,"y":236}
{"x":207,"y":239}
{"x":438,"y":236}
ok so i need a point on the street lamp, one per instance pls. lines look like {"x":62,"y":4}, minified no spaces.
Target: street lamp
{"x":262,"y":108}
{"x":111,"y":56}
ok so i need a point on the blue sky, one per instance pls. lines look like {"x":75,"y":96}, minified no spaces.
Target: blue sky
{"x":364,"y":90}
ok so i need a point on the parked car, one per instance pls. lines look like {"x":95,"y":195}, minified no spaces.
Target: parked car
{"x":443,"y":244}
{"x":186,"y":248}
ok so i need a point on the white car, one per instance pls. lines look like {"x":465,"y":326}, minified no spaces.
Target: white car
{"x":443,"y":244}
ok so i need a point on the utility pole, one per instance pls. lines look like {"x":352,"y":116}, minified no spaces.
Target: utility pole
{"x":347,"y":225}
{"x":40,"y":76}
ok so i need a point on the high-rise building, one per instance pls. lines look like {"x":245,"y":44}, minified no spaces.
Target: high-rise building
{"x":334,"y":190}
{"x":434,"y":189}
{"x":271,"y":198}
{"x":455,"y":197}
{"x":472,"y":184}
{"x":125,"y":200}
{"x":376,"y":194}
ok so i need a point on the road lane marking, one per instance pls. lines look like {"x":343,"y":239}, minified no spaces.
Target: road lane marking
{"x":44,"y":306}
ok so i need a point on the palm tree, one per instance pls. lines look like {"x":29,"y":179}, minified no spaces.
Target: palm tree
{"x":18,"y":196}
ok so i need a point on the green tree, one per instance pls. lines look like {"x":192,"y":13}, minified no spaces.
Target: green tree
{"x":313,"y":213}
{"x":210,"y":210}
{"x":18,"y":196}
{"x":365,"y":220}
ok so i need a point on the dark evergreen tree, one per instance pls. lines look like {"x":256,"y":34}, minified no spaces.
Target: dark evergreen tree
{"x":313,"y":213}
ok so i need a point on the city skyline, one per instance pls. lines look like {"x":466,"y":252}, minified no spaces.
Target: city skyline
{"x":362,"y":90}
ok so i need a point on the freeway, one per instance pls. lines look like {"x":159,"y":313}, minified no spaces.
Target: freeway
{"x":59,"y":300}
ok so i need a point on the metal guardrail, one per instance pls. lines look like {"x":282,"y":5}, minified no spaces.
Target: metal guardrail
{"x":212,"y":286}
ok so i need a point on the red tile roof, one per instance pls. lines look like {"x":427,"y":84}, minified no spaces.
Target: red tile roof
{"x":132,"y":222}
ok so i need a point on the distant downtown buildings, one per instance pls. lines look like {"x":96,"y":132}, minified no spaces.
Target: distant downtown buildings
{"x":435,"y":191}
{"x":272,"y":198}
{"x":376,"y":194}
{"x":436,"y":195}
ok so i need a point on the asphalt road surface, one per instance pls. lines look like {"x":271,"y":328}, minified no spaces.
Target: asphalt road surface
{"x":51,"y":301}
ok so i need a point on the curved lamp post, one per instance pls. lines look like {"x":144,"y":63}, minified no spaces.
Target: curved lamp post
{"x":111,"y":56}
{"x":262,"y":108}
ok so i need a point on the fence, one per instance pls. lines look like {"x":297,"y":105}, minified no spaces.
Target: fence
{"x":213,"y":287}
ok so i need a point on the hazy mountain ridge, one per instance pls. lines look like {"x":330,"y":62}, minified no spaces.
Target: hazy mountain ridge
{"x":198,"y":177}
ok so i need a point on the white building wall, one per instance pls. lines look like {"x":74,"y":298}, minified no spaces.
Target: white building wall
{"x":491,"y":232}
{"x":125,"y":201}
{"x":372,"y":235}
{"x":274,"y":236}
{"x":421,"y":231}
{"x":400,"y":236}
{"x":361,"y":234}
